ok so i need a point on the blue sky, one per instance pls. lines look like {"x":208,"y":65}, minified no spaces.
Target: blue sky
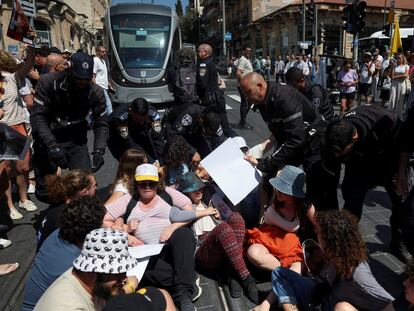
{"x":165,"y":2}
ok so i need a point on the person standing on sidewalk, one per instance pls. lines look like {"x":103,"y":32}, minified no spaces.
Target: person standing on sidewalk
{"x":12,"y":78}
{"x":100,"y":76}
{"x":280,"y":69}
{"x":267,"y":67}
{"x":244,"y":67}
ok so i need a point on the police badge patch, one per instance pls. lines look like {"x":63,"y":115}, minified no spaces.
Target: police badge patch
{"x":219,"y":131}
{"x":186,"y":120}
{"x":316,"y":102}
{"x":123,"y":131}
{"x":156,"y":126}
{"x":203,"y":72}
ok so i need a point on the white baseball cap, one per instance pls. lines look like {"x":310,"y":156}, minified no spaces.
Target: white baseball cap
{"x":146,"y":172}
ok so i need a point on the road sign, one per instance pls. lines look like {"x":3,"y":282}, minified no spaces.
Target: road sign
{"x":29,"y":7}
{"x":228,"y":36}
{"x":304,"y":45}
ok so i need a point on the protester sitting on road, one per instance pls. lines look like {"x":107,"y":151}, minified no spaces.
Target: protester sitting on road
{"x":13,"y":114}
{"x":62,"y":247}
{"x":149,"y":221}
{"x":176,"y":159}
{"x":346,"y":273}
{"x":276,"y":243}
{"x":62,"y":191}
{"x":98,"y":274}
{"x":409,"y":283}
{"x":125,"y":176}
{"x":219,"y":243}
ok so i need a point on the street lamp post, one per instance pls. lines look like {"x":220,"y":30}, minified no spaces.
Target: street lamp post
{"x":224,"y":29}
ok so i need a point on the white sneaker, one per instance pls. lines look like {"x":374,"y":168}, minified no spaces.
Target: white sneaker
{"x":4,"y":243}
{"x":14,"y":214}
{"x":31,"y":189}
{"x":28,"y":205}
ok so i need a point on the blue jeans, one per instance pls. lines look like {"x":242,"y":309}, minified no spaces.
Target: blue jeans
{"x":292,"y":288}
{"x":107,"y":103}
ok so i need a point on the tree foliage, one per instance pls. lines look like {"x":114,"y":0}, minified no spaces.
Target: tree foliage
{"x":179,"y":8}
{"x":190,"y":27}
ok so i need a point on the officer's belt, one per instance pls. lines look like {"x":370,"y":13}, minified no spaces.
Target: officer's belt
{"x":64,"y":123}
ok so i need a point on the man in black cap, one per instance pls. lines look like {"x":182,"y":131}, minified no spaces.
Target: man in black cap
{"x":200,"y":127}
{"x":316,"y":94}
{"x":369,"y":141}
{"x":136,"y":127}
{"x":62,"y":102}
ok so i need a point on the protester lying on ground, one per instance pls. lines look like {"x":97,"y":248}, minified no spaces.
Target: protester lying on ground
{"x":98,"y":274}
{"x":348,"y":283}
{"x":220,"y":244}
{"x":125,"y":176}
{"x":276,"y":242}
{"x":149,"y":221}
{"x":62,"y":191}
{"x":62,"y":247}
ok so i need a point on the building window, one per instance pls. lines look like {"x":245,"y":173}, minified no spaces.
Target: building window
{"x":43,"y":33}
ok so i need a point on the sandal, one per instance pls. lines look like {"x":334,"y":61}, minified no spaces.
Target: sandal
{"x":8,"y":268}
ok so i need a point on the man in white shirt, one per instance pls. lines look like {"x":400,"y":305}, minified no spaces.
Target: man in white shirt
{"x":100,"y":75}
{"x":299,"y":63}
{"x":243,"y":68}
{"x":280,"y":69}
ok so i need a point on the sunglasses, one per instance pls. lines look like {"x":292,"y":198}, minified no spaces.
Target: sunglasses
{"x":148,"y":184}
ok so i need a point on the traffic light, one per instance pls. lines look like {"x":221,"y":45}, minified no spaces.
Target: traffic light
{"x":360,"y":15}
{"x":322,"y":33}
{"x":348,"y":18}
{"x":310,"y":11}
{"x":386,"y":30}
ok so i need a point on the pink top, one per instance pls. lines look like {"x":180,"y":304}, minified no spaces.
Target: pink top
{"x":153,"y":217}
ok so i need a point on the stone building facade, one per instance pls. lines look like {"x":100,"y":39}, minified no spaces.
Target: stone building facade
{"x":280,"y":31}
{"x":58,"y":24}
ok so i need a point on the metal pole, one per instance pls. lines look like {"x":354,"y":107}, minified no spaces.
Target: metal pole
{"x":385,"y":13}
{"x":316,"y":29}
{"x":303,"y":24}
{"x":355,"y":47}
{"x":224,"y":29}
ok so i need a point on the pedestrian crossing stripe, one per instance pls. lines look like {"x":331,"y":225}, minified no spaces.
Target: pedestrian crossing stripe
{"x":235,"y":97}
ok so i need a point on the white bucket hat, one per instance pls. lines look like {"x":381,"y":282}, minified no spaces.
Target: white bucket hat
{"x":105,"y":251}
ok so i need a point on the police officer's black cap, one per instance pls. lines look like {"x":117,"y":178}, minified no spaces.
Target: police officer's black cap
{"x":82,"y":66}
{"x":211,"y":120}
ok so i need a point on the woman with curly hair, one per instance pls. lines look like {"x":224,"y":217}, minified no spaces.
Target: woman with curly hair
{"x":352,"y":285}
{"x":62,"y":191}
{"x":62,"y":247}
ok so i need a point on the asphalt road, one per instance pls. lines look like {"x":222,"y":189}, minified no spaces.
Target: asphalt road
{"x":374,"y":226}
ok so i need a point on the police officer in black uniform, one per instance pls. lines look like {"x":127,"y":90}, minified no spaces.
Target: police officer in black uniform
{"x":199,"y":126}
{"x":210,"y":94}
{"x":367,"y":140}
{"x":62,"y":103}
{"x":136,"y":127}
{"x":314,"y":92}
{"x":298,"y":130}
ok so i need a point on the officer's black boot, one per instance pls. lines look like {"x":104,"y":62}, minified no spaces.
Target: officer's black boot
{"x":398,"y":247}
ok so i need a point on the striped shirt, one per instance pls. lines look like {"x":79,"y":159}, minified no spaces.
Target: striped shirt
{"x":153,"y":217}
{"x":14,"y":110}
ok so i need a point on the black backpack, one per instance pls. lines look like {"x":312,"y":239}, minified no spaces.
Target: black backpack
{"x":185,"y":90}
{"x":134,"y":200}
